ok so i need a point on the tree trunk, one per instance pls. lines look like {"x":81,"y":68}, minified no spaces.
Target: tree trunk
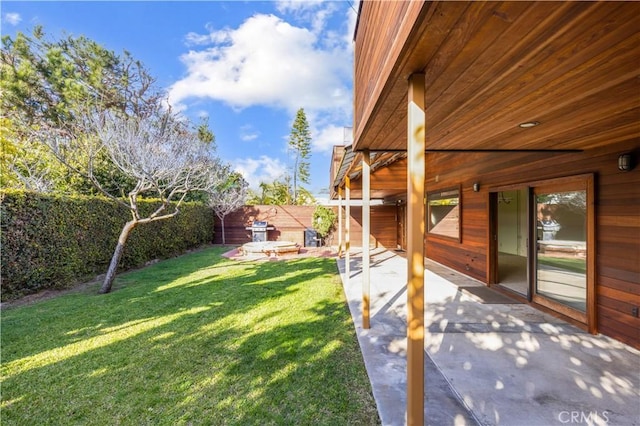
{"x":224,"y":243}
{"x":295,"y":184}
{"x":117,"y":254}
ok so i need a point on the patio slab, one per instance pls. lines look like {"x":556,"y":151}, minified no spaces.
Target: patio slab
{"x":488,"y":361}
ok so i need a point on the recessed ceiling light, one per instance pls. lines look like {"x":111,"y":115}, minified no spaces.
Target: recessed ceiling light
{"x":529,"y":124}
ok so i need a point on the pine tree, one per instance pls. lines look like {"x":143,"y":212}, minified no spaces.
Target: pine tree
{"x":300,"y":149}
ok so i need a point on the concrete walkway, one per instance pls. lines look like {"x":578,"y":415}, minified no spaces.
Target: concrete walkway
{"x":489,"y":361}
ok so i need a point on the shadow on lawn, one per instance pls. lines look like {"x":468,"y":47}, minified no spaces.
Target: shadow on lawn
{"x":216,"y":343}
{"x":201,"y":278}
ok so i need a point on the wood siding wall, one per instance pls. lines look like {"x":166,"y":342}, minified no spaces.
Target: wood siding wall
{"x":617,"y":219}
{"x":383,"y":226}
{"x":290,"y":223}
{"x":383,"y":28}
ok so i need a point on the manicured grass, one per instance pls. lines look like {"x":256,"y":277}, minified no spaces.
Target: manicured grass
{"x":192,"y":340}
{"x":575,"y":265}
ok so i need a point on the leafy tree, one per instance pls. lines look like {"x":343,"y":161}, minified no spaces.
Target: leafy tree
{"x":305,"y":198}
{"x":206,"y":136}
{"x":227,"y":193}
{"x":274,"y":193}
{"x":47,"y":84}
{"x":324,"y":220}
{"x":253,"y":197}
{"x":300,"y":149}
{"x":46,"y":81}
{"x":278,"y":193}
{"x":204,"y":132}
{"x":18,"y":167}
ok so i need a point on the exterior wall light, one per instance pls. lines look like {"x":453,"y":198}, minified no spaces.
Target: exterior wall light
{"x":476,"y":187}
{"x":625,"y":162}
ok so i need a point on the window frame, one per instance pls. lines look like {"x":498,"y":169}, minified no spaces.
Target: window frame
{"x":443,"y":193}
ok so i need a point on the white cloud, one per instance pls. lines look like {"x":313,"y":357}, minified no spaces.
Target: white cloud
{"x":195,"y":39}
{"x":248,"y":133}
{"x":327,"y":130}
{"x":329,"y":136}
{"x":12,"y":18}
{"x":297,"y":5}
{"x":314,"y":12}
{"x":256,"y":170}
{"x":267,"y":61}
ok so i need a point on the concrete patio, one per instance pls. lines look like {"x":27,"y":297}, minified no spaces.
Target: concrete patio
{"x":489,"y":360}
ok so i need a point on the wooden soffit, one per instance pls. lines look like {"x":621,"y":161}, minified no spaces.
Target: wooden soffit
{"x":388,"y":174}
{"x":572,"y":67}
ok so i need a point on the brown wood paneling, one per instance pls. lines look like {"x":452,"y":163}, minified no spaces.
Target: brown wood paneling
{"x":468,"y":260}
{"x":626,"y":286}
{"x":491,"y":65}
{"x":628,"y":274}
{"x":618,"y":326}
{"x":614,"y":304}
{"x":617,"y":197}
{"x":632,"y":297}
{"x":386,"y":182}
{"x":383,"y":226}
{"x":525,"y":88}
{"x":383,"y":28}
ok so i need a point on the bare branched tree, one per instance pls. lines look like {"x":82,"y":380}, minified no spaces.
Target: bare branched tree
{"x":227,"y":192}
{"x":160,"y":156}
{"x":20,"y":167}
{"x":128,"y":146}
{"x":31,"y":175}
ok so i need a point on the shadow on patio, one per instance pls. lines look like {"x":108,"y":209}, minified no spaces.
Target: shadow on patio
{"x":488,"y":363}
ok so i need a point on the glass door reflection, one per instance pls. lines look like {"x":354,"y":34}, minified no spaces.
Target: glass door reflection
{"x":561,"y":254}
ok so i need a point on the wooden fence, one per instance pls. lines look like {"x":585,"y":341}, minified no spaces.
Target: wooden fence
{"x":290,"y":223}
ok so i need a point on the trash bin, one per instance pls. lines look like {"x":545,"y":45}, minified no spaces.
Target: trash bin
{"x":311,"y":238}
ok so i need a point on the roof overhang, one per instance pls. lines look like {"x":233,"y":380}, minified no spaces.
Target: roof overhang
{"x":351,"y":167}
{"x":571,"y":67}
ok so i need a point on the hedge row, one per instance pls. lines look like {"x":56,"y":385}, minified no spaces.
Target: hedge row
{"x":56,"y":241}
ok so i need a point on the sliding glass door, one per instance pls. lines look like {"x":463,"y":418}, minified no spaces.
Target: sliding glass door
{"x":543,"y":244}
{"x":563,"y":214}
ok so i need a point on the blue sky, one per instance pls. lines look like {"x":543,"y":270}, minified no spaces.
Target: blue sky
{"x":247,"y":65}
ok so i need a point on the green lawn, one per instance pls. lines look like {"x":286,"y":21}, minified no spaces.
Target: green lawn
{"x":575,"y":265}
{"x":195,"y":340}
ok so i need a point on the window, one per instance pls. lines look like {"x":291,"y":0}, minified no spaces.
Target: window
{"x":443,"y":213}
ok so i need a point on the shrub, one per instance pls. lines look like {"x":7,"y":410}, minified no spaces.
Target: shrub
{"x":50,"y":241}
{"x":324,"y":220}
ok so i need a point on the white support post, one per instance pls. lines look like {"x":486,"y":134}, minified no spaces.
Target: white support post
{"x":366,"y":231}
{"x":347,"y":228}
{"x":340,"y":222}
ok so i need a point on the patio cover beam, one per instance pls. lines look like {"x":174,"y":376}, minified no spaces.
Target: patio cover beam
{"x":339,"y":221}
{"x":347,"y":228}
{"x":415,"y":249}
{"x":366,"y":230}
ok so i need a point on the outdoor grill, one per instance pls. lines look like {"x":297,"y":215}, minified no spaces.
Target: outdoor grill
{"x":259,"y":230}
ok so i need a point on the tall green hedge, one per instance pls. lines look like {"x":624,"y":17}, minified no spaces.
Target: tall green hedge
{"x":56,"y":241}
